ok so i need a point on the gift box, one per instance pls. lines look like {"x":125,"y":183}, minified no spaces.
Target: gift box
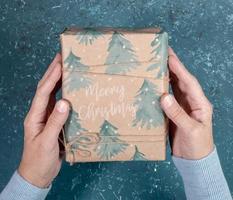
{"x":113,"y":79}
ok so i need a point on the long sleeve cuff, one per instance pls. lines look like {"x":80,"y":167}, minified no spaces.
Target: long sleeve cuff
{"x":203,"y":179}
{"x":18,"y":188}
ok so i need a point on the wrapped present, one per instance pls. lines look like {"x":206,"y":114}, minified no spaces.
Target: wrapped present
{"x":114,"y":79}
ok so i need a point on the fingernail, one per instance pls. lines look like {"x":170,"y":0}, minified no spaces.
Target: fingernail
{"x":61,"y":106}
{"x":168,"y":100}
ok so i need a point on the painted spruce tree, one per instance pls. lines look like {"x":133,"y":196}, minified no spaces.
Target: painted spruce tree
{"x":121,"y":55}
{"x":110,"y":145}
{"x":138,"y":155}
{"x":159,"y":45}
{"x":75,"y":80}
{"x":149,"y":113}
{"x":73,"y":126}
{"x":88,"y":35}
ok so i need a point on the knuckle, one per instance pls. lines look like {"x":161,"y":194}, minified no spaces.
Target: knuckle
{"x":177,"y":113}
{"x":27,"y":139}
{"x":26,"y":123}
{"x":40,"y":91}
{"x":39,"y":84}
{"x":194,"y":79}
{"x":210,"y":107}
{"x":45,"y":89}
{"x":209,"y":110}
{"x":52,"y":82}
{"x":54,"y":121}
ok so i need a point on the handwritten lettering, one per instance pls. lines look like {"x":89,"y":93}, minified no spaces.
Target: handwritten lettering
{"x":93,"y":111}
{"x":98,"y":92}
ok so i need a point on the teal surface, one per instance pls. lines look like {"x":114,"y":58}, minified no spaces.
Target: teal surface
{"x":201,"y":32}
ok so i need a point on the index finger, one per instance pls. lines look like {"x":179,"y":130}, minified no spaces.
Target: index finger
{"x":38,"y":110}
{"x":186,"y":81}
{"x":56,"y":59}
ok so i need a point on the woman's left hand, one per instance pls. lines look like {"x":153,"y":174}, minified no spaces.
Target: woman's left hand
{"x":40,"y":162}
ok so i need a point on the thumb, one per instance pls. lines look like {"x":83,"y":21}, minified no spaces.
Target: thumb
{"x":176,"y":113}
{"x":56,"y":120}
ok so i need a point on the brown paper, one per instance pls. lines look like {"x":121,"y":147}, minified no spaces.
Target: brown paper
{"x":113,"y":79}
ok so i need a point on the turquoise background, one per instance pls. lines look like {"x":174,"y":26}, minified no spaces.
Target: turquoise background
{"x":201,"y":32}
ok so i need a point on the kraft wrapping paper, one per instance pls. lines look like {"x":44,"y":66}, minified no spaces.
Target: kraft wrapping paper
{"x":113,"y":79}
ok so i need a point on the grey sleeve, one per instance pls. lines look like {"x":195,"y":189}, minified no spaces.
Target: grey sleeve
{"x":203,"y":179}
{"x":19,"y":189}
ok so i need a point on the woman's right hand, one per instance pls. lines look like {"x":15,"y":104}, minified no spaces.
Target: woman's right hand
{"x":190,"y":113}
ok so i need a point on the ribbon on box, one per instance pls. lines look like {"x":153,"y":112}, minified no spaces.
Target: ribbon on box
{"x":81,"y":141}
{"x":87,"y":140}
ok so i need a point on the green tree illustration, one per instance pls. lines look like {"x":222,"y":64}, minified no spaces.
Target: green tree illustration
{"x":148,"y":112}
{"x":75,"y":80}
{"x":159,"y":45}
{"x":138,"y":155}
{"x":73,"y":126}
{"x":110,"y":145}
{"x":121,"y":57}
{"x":88,"y":36}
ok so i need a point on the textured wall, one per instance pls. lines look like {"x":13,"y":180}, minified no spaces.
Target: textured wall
{"x":201,"y":32}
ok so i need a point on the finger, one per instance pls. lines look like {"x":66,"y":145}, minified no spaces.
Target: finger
{"x":40,"y":101}
{"x":56,"y":59}
{"x":187,"y":82}
{"x":177,"y":67}
{"x":52,"y":99}
{"x":176,"y":113}
{"x":56,"y":121}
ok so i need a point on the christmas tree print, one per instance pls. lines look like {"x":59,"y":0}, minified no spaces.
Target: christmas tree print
{"x":138,"y":155}
{"x":121,"y":56}
{"x":75,"y":80}
{"x":73,"y":126}
{"x":88,"y":36}
{"x":110,"y":145}
{"x":159,"y":45}
{"x":149,"y":113}
{"x":76,"y":134}
{"x":73,"y":61}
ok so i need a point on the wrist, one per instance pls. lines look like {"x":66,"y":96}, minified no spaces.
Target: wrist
{"x":33,"y":178}
{"x":195,"y":153}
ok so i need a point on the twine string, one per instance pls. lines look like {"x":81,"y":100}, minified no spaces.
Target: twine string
{"x":82,"y":140}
